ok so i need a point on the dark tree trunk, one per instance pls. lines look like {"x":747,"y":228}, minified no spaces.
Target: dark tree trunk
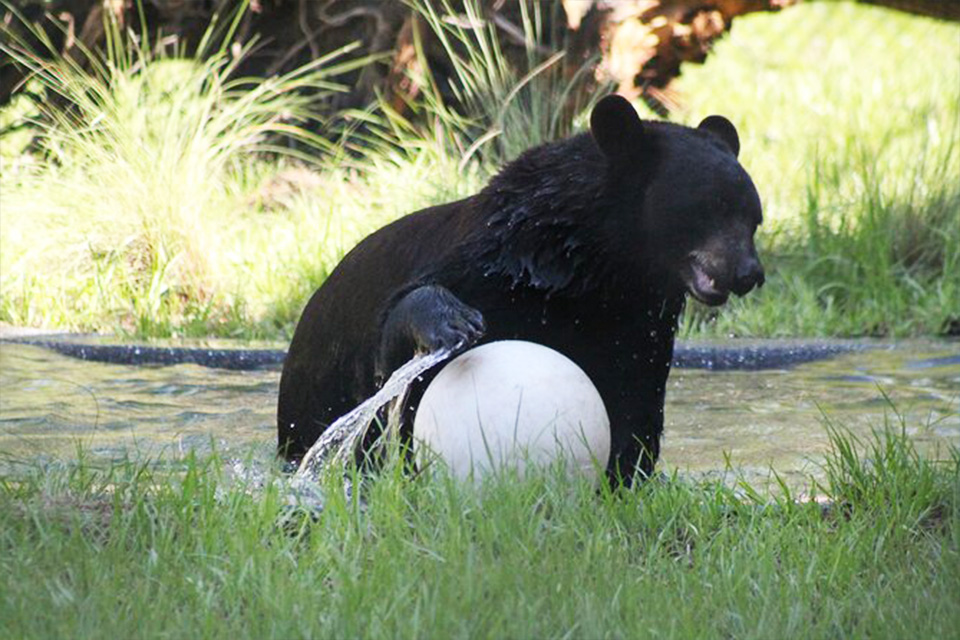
{"x":943,"y":9}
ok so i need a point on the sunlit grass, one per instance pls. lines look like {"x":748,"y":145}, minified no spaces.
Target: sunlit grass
{"x":126,"y":216}
{"x":850,"y":125}
{"x":134,"y":549}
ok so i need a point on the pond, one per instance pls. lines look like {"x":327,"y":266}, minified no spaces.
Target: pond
{"x":52,"y":406}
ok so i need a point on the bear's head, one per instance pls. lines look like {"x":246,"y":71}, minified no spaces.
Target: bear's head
{"x":686,"y":210}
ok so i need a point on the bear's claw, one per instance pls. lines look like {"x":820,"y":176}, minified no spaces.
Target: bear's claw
{"x":456,"y":326}
{"x":426,"y":319}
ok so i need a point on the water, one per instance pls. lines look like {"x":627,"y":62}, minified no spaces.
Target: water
{"x":774,"y":419}
{"x":342,"y":436}
{"x":755,"y":420}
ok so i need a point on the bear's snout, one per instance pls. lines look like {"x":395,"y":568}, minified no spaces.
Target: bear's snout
{"x":749,"y":274}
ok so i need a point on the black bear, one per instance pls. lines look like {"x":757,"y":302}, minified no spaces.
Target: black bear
{"x":587,"y":246}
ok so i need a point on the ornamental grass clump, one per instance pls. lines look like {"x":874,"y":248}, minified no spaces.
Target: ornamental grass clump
{"x":138,"y":153}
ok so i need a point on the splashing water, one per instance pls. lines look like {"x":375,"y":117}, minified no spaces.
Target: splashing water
{"x":336,"y":444}
{"x":340,"y":438}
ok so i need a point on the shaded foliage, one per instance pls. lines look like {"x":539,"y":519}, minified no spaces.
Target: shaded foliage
{"x":639,"y":45}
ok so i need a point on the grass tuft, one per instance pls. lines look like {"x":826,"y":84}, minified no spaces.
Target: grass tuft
{"x":136,"y":154}
{"x":496,"y":107}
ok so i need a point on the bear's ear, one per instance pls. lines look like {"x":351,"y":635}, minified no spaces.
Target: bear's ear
{"x":723,"y":129}
{"x":616,"y":127}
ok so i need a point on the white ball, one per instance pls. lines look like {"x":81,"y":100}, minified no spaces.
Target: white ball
{"x":509,"y":404}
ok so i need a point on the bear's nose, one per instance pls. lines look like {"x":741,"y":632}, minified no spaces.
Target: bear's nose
{"x":749,"y":275}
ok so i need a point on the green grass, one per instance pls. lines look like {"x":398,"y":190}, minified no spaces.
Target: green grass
{"x":154,"y":212}
{"x":134,"y":550}
{"x":141,"y":161}
{"x":850,"y":121}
